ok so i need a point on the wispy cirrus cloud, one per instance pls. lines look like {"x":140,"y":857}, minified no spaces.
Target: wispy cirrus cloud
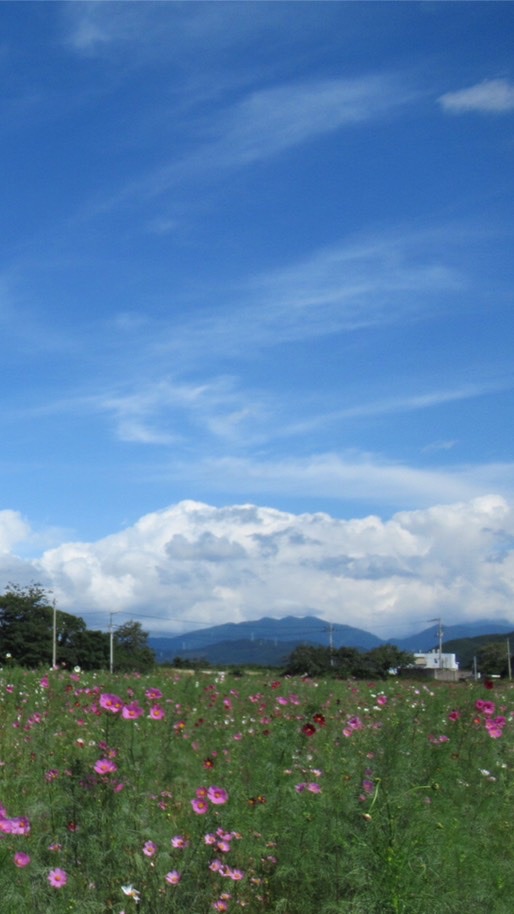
{"x":271,"y":120}
{"x":492,"y":96}
{"x":349,"y":476}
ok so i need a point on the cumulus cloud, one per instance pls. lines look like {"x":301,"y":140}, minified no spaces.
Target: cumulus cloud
{"x":194,"y":565}
{"x":13,"y":530}
{"x":492,"y":96}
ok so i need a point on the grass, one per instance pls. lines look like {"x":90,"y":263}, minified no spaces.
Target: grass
{"x":330,"y":797}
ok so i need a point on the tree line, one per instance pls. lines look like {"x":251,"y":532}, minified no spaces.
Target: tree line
{"x":32,"y":631}
{"x":347,"y":662}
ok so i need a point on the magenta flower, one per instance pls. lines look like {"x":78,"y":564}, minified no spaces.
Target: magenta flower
{"x":18,"y":825}
{"x":153,"y":694}
{"x":57,"y":878}
{"x":105,"y":766}
{"x":200,"y":807}
{"x":173,"y":877}
{"x":156,"y":712}
{"x":132,"y":711}
{"x":21,"y":859}
{"x":217,"y":795}
{"x":110,"y":702}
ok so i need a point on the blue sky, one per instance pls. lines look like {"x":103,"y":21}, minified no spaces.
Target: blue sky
{"x":253,"y":253}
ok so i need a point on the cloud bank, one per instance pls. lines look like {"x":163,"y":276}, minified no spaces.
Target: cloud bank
{"x":193,"y":565}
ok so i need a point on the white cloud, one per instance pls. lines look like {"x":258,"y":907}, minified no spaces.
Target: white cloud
{"x":272,"y":120}
{"x":492,"y":96}
{"x":14,"y":529}
{"x":193,"y":564}
{"x":346,"y":477}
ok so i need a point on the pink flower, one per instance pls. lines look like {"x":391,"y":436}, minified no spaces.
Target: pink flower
{"x":19,"y":825}
{"x":156,"y":712}
{"x":110,"y":702}
{"x":21,"y":859}
{"x":105,"y":766}
{"x":153,"y":694}
{"x":179,"y":841}
{"x":382,"y":700}
{"x":454,"y":715}
{"x":200,"y":807}
{"x":173,"y":878}
{"x":217,"y":795}
{"x":57,"y":878}
{"x":132,"y":711}
{"x":149,"y":849}
{"x":234,"y":874}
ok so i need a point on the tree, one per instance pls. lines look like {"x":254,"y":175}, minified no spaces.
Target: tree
{"x":27,"y":617}
{"x":131,"y":649}
{"x":308,"y":660}
{"x":388,"y":657}
{"x":26,"y":620}
{"x":493,"y":659}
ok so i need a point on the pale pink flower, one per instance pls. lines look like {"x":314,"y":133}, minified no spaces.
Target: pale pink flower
{"x":149,"y":849}
{"x":173,"y":877}
{"x":57,"y":878}
{"x":179,"y":841}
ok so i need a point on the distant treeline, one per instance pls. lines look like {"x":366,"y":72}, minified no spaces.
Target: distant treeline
{"x":33,"y":633}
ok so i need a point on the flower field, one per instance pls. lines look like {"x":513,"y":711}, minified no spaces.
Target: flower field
{"x":211,"y":792}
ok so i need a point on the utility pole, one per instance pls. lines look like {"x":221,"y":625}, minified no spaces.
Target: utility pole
{"x":54,"y":637}
{"x":111,"y":642}
{"x":330,"y":630}
{"x":440,"y":639}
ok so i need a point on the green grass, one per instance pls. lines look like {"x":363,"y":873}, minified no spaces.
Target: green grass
{"x":343,"y":797}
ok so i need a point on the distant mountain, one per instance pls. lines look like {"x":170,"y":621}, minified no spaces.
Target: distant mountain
{"x":290,"y":630}
{"x":428,"y":639}
{"x":466,"y":649}
{"x":268,"y":642}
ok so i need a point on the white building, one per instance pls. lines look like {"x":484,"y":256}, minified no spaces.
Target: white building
{"x":436,"y":660}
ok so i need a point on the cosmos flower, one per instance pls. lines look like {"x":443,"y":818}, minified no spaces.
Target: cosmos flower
{"x":105,"y":766}
{"x":173,"y":877}
{"x":200,"y":807}
{"x":111,"y":702}
{"x":57,"y":878}
{"x":217,"y":795}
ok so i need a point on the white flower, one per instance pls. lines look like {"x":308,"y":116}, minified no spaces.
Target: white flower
{"x":131,"y":892}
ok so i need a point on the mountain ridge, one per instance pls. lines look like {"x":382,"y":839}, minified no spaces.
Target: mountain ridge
{"x":267,"y":641}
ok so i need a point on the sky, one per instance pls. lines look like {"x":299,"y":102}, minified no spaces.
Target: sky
{"x":256,"y":310}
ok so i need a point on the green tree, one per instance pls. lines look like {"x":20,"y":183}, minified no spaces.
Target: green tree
{"x":493,"y":659}
{"x":27,"y":616}
{"x":26,"y":623}
{"x":388,"y":657}
{"x":131,"y":649}
{"x":308,"y":660}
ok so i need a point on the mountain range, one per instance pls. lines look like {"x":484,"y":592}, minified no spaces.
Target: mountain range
{"x":268,"y":642}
